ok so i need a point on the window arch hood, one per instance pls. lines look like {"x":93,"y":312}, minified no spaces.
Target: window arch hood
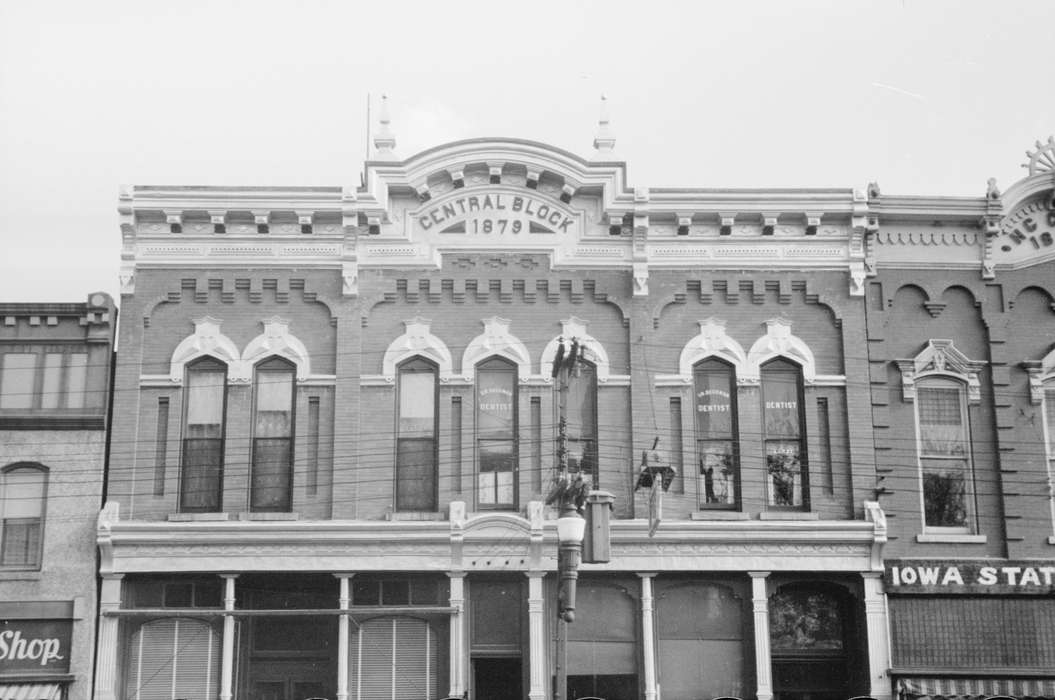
{"x":711,"y":341}
{"x":418,"y":340}
{"x":277,"y":341}
{"x":206,"y":340}
{"x":496,"y":340}
{"x":594,"y":352}
{"x":779,"y":342}
{"x":940,"y":358}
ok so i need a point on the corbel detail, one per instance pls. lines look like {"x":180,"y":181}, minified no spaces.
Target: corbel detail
{"x":1038,"y":371}
{"x":990,"y":225}
{"x":126,"y":275}
{"x":864,"y":224}
{"x":727,"y":221}
{"x":640,"y":243}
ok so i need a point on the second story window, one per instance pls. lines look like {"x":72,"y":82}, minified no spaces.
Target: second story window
{"x":783,"y":435}
{"x":201,"y":479}
{"x":582,"y":421}
{"x":714,"y":384}
{"x":944,"y":452}
{"x":22,"y":490}
{"x":272,"y":470}
{"x":416,"y":487}
{"x":45,"y":378}
{"x":496,"y":433}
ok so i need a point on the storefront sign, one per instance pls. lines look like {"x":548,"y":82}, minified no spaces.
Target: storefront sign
{"x":497,"y":214}
{"x":35,"y":645}
{"x":970,"y":576}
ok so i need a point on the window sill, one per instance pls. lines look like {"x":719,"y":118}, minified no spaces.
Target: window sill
{"x":719,"y":515}
{"x":419,"y":515}
{"x":247,"y":515}
{"x":197,"y":517}
{"x":19,"y":575}
{"x":787,"y":515}
{"x":950,"y":538}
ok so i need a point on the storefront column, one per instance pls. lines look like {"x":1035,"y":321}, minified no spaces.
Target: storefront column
{"x":106,"y":651}
{"x":878,"y":642}
{"x":763,"y":663}
{"x":457,"y":632}
{"x":344,"y":600}
{"x":227,"y":660}
{"x":536,"y":636}
{"x":647,"y":637}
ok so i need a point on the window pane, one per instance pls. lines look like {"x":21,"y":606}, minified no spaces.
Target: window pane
{"x":23,"y":493}
{"x":416,"y":474}
{"x":582,"y":404}
{"x":802,"y":620}
{"x":417,"y":402}
{"x":272,"y":458}
{"x":200,"y":485}
{"x":942,"y":428}
{"x":784,"y":468}
{"x":495,"y":394}
{"x":203,"y":437}
{"x":945,"y":492}
{"x":274,"y":404}
{"x":717,"y":471}
{"x":16,"y":380}
{"x":52,"y":380}
{"x":496,"y":472}
{"x":205,"y":391}
{"x":76,"y":379}
{"x":714,"y":401}
{"x":582,"y":456}
{"x":21,"y":542}
{"x":272,"y":474}
{"x":781,"y":392}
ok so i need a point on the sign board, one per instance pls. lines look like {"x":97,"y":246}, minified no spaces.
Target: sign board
{"x":497,"y":214}
{"x":38,"y":646}
{"x":969,"y":576}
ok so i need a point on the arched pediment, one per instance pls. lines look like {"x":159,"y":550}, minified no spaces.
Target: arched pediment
{"x":940,"y":358}
{"x":276,"y":340}
{"x":496,"y":340}
{"x":205,"y":340}
{"x":779,"y":342}
{"x":418,"y":340}
{"x":496,"y":526}
{"x":711,"y":341}
{"x":594,"y":352}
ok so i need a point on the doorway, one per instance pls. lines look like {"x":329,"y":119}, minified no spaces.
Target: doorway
{"x":497,"y":678}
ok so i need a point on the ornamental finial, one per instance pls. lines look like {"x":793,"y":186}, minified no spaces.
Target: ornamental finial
{"x":385,"y":141}
{"x":604,"y":141}
{"x":1041,"y":160}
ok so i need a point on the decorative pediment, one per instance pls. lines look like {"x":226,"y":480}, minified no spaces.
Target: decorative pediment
{"x":417,"y":340}
{"x":779,"y":342}
{"x":940,"y":358}
{"x":205,"y":340}
{"x":712,"y":341}
{"x":276,"y":340}
{"x":1039,"y":372}
{"x":496,"y":340}
{"x":576,"y":329}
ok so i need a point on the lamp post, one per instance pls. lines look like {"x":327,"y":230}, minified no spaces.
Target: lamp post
{"x":571,"y":528}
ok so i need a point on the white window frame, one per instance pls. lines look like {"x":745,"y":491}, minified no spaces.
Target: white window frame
{"x":4,"y":476}
{"x":1042,"y":392}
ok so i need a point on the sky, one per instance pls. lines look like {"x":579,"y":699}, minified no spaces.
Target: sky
{"x":924,"y":97}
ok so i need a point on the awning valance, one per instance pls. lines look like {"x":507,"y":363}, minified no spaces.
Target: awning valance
{"x":975,"y":688}
{"x":31,"y":691}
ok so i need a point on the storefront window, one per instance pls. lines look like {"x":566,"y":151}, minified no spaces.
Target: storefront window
{"x":496,"y":431}
{"x":173,"y":658}
{"x":602,"y":644}
{"x":786,"y":475}
{"x":716,"y":433}
{"x":397,"y":658}
{"x":700,"y":627}
{"x":416,"y":436}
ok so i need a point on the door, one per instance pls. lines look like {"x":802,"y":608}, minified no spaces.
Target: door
{"x":497,"y":678}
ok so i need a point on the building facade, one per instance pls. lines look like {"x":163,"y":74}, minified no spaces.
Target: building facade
{"x":55,"y":364}
{"x":336,"y":425}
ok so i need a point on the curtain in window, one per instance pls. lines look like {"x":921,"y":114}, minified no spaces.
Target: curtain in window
{"x":715,"y":409}
{"x":395,"y":658}
{"x":22,"y":510}
{"x":416,"y":440}
{"x":272,"y":479}
{"x":701,"y":641}
{"x":171,"y":659}
{"x":203,"y":436}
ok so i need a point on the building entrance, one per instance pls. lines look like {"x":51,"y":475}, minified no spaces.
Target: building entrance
{"x":497,"y":678}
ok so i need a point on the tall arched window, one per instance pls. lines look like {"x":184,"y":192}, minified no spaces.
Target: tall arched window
{"x":716,"y":433}
{"x":783,"y":430}
{"x":416,"y":436}
{"x":582,"y":421}
{"x":496,"y":433}
{"x":205,"y":395}
{"x":272,"y":475}
{"x":22,"y":491}
{"x":944,"y":452}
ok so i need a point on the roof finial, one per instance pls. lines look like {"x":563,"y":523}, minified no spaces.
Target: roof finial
{"x":604,"y":141}
{"x":384,"y":141}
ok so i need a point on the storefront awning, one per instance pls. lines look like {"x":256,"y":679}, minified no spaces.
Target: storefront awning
{"x":975,"y":688}
{"x":31,"y":691}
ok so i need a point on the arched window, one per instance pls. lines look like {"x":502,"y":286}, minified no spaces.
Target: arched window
{"x":496,"y":433}
{"x":783,"y":433}
{"x":396,"y":658}
{"x":22,"y":491}
{"x":944,"y":452}
{"x":582,"y":421}
{"x":205,"y":395}
{"x":272,"y":476}
{"x":716,"y":433}
{"x":700,"y":626}
{"x":416,"y":436}
{"x":173,"y":658}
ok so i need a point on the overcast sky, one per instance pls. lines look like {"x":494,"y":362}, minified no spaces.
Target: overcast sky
{"x":925,"y":97}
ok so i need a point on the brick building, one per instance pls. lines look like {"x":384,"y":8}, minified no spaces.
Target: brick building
{"x":55,"y":364}
{"x":335,"y":427}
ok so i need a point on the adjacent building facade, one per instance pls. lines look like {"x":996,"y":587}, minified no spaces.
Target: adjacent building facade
{"x":54,"y":395}
{"x":336,"y":422}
